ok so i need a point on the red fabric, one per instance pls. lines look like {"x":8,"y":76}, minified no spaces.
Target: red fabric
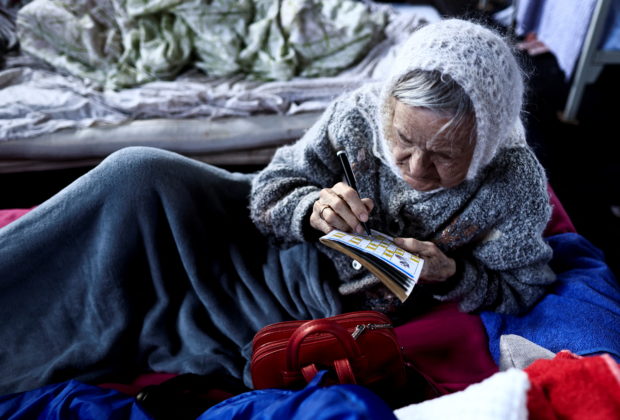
{"x":574,"y":387}
{"x":449,"y":347}
{"x":559,"y":222}
{"x":140,"y":382}
{"x":7,"y":216}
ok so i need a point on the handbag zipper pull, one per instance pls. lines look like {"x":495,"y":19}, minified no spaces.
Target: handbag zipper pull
{"x":360,"y":328}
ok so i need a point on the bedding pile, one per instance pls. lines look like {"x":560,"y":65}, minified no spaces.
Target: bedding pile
{"x":534,"y":381}
{"x":70,"y":84}
{"x":586,"y":293}
{"x":121,"y":44}
{"x":567,"y":387}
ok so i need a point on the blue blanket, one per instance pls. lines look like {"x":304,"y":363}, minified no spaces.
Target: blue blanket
{"x":149,"y":262}
{"x":73,"y":399}
{"x":582,"y":311}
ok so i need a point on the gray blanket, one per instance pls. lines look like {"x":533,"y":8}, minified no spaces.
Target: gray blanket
{"x":148,"y":262}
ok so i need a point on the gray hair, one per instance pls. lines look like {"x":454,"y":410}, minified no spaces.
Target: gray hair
{"x":439,"y":93}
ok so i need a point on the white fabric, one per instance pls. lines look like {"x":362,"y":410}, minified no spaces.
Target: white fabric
{"x":502,"y":396}
{"x":483,"y":64}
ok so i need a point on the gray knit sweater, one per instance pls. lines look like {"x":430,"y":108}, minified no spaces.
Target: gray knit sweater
{"x":491,"y":225}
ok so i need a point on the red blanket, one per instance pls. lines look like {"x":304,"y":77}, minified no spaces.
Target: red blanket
{"x":574,"y":387}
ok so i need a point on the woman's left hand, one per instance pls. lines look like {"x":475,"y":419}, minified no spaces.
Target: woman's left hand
{"x":437,"y":267}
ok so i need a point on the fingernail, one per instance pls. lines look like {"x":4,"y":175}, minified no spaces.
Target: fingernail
{"x":364,"y":217}
{"x":398,"y":240}
{"x":359,"y":229}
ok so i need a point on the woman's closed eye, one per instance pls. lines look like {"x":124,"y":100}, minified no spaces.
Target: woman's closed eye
{"x":442,"y":157}
{"x":404,"y":141}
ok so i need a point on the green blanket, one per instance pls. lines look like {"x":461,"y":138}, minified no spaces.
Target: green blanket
{"x":123,"y":43}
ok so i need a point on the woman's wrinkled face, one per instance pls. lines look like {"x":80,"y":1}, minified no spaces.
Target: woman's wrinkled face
{"x":426,"y":160}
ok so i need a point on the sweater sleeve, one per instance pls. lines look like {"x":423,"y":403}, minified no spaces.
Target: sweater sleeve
{"x":507,"y":270}
{"x":284,"y":192}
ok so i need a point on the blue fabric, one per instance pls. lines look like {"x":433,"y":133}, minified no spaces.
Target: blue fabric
{"x":338,"y":402}
{"x":582,"y":311}
{"x":561,"y":24}
{"x":611,"y":37}
{"x":147,"y":262}
{"x":76,"y":400}
{"x":70,"y":400}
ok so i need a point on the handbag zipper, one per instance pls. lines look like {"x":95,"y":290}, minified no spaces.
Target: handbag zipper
{"x":360,"y":328}
{"x":272,"y":347}
{"x":282,"y":330}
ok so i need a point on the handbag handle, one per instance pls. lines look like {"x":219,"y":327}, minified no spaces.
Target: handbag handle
{"x":343,"y":367}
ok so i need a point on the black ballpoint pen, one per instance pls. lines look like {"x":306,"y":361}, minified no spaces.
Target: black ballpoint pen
{"x":348,"y":174}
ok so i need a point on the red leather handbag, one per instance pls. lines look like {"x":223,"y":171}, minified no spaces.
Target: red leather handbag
{"x":356,"y":347}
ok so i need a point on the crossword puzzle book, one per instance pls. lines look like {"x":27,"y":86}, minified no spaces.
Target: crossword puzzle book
{"x":398,"y":269}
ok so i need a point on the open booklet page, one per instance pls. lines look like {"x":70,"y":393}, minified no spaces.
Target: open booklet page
{"x":398,"y":269}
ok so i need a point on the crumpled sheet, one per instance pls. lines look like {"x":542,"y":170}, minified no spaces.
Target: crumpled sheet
{"x":124,"y":43}
{"x":36,"y":99}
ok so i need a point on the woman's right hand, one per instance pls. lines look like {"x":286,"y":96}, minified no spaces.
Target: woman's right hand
{"x":340,"y":207}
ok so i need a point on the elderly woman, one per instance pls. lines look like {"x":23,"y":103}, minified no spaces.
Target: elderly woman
{"x":151,"y":261}
{"x":441,"y":163}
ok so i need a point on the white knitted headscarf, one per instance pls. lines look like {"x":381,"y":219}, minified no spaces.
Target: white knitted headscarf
{"x":482,"y":63}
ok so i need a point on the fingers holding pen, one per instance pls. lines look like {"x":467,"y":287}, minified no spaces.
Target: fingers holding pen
{"x":339,"y":215}
{"x":369,"y":204}
{"x":350,"y":201}
{"x":325,"y":218}
{"x":341,"y":208}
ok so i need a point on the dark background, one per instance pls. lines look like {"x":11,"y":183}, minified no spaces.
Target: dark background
{"x":581,"y":159}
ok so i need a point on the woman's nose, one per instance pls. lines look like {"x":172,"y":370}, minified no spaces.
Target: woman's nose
{"x":419,"y":163}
